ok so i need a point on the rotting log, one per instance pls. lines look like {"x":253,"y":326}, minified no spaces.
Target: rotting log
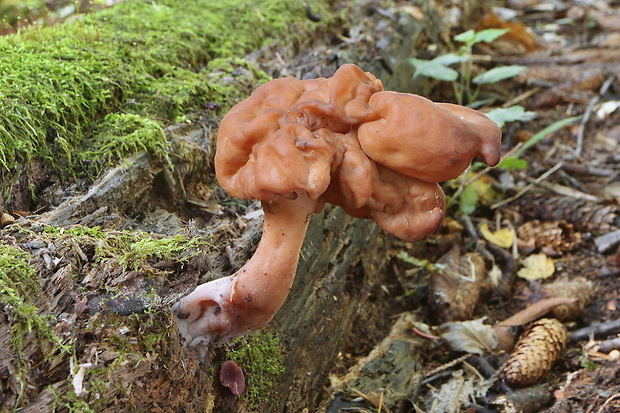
{"x":100,"y":335}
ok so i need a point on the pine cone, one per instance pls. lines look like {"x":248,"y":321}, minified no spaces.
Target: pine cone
{"x":540,"y":345}
{"x":584,"y":215}
{"x":579,"y":288}
{"x":553,"y":238}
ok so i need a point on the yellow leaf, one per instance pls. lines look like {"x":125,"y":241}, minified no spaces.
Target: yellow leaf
{"x":484,"y":188}
{"x":536,"y":267}
{"x":502,"y":238}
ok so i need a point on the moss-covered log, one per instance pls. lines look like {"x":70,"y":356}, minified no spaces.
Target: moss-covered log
{"x":86,"y":287}
{"x":70,"y":90}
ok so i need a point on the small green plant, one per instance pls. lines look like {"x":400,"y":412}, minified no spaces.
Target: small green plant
{"x":261,"y":357}
{"x":473,"y":187}
{"x":469,"y":190}
{"x":466,"y":88}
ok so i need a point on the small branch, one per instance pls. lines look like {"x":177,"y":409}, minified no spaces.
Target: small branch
{"x":528,"y":187}
{"x":569,"y":192}
{"x":583,"y":169}
{"x":588,"y":113}
{"x":521,"y":97}
{"x":600,"y":329}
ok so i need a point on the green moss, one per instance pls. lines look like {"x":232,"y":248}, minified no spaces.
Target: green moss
{"x":68,"y":401}
{"x":141,"y":57}
{"x":260,"y":357}
{"x":121,"y":134}
{"x":142,"y":246}
{"x":18,"y":285}
{"x":78,"y":231}
{"x":135,"y":339}
{"x":131,"y":250}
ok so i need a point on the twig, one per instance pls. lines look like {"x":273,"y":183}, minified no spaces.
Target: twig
{"x":588,"y":113}
{"x":583,"y":169}
{"x":528,"y":187}
{"x":430,"y":375}
{"x":569,"y":192}
{"x":600,"y":329}
{"x":607,"y":345}
{"x":607,"y":241}
{"x":521,"y":97}
{"x":478,"y":174}
{"x":603,"y":408}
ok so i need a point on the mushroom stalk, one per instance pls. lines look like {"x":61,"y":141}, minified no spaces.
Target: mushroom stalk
{"x":228,"y":307}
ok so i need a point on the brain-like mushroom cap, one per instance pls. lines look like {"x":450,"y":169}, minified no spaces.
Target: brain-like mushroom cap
{"x":267,"y":144}
{"x":345,"y":141}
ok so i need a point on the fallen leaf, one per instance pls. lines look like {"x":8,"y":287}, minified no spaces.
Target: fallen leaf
{"x":536,"y":267}
{"x":471,"y":336}
{"x":502,"y":238}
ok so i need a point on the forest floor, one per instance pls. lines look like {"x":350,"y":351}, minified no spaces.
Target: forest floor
{"x":548,"y":230}
{"x":543,"y":228}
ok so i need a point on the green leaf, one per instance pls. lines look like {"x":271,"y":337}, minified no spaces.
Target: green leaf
{"x":489,"y":35}
{"x":501,"y":116}
{"x":480,"y":103}
{"x":432,"y":69}
{"x":466,"y":37}
{"x":498,"y":73}
{"x":512,"y":163}
{"x":451,"y":58}
{"x":537,"y":137}
{"x":468,"y":200}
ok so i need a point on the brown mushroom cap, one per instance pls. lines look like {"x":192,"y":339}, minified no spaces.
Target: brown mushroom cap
{"x":426,"y":140}
{"x":267,"y":145}
{"x":232,"y":376}
{"x":345,"y":141}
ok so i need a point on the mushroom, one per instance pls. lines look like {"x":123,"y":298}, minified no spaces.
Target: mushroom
{"x":231,"y":376}
{"x":296,"y":145}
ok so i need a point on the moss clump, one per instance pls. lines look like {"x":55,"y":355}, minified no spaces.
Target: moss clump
{"x":18,"y":285}
{"x":260,"y":356}
{"x":131,"y":250}
{"x":142,"y":57}
{"x":121,"y":134}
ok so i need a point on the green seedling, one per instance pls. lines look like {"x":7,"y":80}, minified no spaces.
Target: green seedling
{"x":466,"y":87}
{"x":471,"y":189}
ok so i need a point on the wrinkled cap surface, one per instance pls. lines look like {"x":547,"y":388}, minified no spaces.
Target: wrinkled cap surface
{"x":345,"y":141}
{"x":267,"y":144}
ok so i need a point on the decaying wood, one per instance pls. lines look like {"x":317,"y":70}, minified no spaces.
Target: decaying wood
{"x":389,"y":374}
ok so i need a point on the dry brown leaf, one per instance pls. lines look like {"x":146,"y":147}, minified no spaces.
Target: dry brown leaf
{"x":517,"y":33}
{"x":535,"y":311}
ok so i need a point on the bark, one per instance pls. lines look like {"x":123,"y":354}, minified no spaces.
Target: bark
{"x":109,"y":342}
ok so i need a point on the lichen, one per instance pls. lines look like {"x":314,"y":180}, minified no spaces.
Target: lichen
{"x":140,"y":57}
{"x":260,"y":357}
